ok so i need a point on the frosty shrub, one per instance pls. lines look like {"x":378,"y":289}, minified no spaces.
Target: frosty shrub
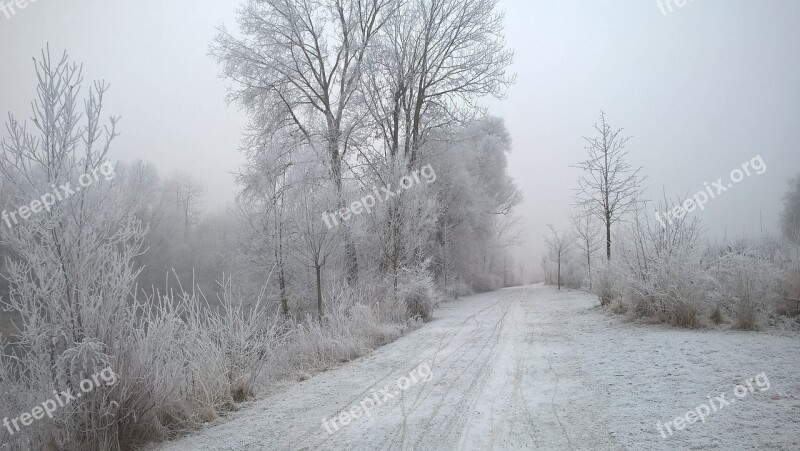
{"x":246,"y":334}
{"x":606,"y":283}
{"x":672,"y":290}
{"x":357,"y":319}
{"x":72,"y":280}
{"x":662,"y":271}
{"x":458,"y":289}
{"x":481,"y":283}
{"x":417,"y":289}
{"x":374,"y":322}
{"x":746,"y":287}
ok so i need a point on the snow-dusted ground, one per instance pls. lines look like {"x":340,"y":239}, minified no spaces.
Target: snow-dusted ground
{"x":534,"y":368}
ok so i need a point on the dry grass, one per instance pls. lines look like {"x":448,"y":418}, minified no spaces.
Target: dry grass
{"x":184,"y":365}
{"x":746,"y":315}
{"x":686,"y":315}
{"x":717,"y":316}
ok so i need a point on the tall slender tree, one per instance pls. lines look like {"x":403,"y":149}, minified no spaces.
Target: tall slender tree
{"x":558,"y":245}
{"x":790,"y":217}
{"x":609,"y":187}
{"x":587,"y":238}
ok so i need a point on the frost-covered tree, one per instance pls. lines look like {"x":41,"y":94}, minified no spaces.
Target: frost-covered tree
{"x":263,"y":206}
{"x":298,"y":67}
{"x":609,"y":187}
{"x":75,"y":239}
{"x":790,"y":217}
{"x":432,"y":60}
{"x":314,"y":241}
{"x":587,"y":238}
{"x":76,"y":242}
{"x":189,"y":194}
{"x":475,"y":195}
{"x":558,"y":246}
{"x":400,"y":228}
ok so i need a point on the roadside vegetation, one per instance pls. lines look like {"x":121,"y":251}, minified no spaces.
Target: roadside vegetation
{"x":651,"y":261}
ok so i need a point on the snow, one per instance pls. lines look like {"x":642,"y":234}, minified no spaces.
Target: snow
{"x":535,"y":368}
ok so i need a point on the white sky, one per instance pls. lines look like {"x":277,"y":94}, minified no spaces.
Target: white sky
{"x":701,"y":90}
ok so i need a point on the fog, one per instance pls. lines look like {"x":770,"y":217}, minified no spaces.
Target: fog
{"x":399,"y":224}
{"x":700,"y":89}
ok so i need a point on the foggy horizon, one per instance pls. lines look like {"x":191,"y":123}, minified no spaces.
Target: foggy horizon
{"x":700,"y":90}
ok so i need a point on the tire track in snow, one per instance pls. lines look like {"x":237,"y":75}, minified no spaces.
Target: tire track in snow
{"x":490,"y":388}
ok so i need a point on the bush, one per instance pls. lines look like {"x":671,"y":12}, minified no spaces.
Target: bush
{"x":417,"y":290}
{"x":481,"y":283}
{"x":660,"y":272}
{"x":746,"y":287}
{"x":605,"y":284}
{"x":656,"y":273}
{"x":458,"y":289}
{"x":181,"y":362}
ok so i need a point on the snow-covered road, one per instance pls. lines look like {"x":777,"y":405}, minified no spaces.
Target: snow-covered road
{"x":535,"y":368}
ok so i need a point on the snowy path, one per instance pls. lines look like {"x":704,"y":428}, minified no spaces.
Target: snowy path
{"x":534,"y":368}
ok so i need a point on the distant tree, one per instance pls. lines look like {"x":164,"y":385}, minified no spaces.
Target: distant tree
{"x":587,"y":238}
{"x":609,"y":187}
{"x":790,"y":218}
{"x":558,"y":245}
{"x":476,"y":197}
{"x":189,"y":193}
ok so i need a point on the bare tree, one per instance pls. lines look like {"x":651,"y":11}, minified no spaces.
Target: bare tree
{"x":558,"y":245}
{"x":790,"y":217}
{"x":435,"y":58}
{"x":313,"y":242}
{"x":299,"y":66}
{"x":543,"y":262}
{"x":263,"y":203}
{"x":189,"y":193}
{"x":587,"y":238}
{"x":609,"y":187}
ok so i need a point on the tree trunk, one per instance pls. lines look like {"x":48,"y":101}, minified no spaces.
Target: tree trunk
{"x":444,"y":264}
{"x":281,"y":273}
{"x":319,"y":292}
{"x":282,"y":284}
{"x":395,"y":235}
{"x":351,"y":262}
{"x":350,"y":255}
{"x":559,"y":274}
{"x":608,"y":237}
